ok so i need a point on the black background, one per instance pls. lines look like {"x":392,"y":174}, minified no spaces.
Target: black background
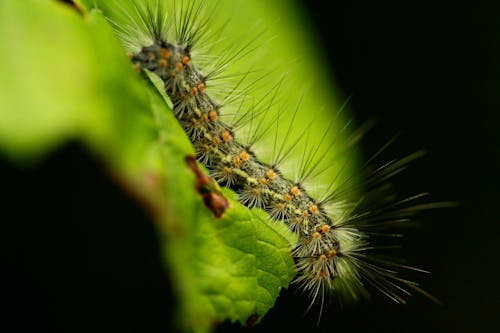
{"x":429,"y":70}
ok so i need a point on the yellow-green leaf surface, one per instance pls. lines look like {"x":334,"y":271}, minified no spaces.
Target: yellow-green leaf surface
{"x":65,"y":76}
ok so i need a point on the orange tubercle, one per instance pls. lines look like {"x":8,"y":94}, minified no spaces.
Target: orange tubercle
{"x":244,"y":155}
{"x":295,"y":191}
{"x":313,"y":209}
{"x":270,"y":174}
{"x":324,"y":228}
{"x":185,"y":60}
{"x":236,"y":161}
{"x":162,"y":63}
{"x":226,"y":136}
{"x":165,"y":53}
{"x":212,"y":114}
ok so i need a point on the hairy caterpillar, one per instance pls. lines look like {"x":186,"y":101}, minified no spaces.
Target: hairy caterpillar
{"x":333,"y":252}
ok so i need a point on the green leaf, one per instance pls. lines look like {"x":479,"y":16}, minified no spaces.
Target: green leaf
{"x":232,"y":268}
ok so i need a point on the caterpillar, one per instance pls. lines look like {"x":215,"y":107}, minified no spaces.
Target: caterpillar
{"x":333,"y":254}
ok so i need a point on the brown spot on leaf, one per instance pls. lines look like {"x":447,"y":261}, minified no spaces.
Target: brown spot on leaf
{"x":252,"y":320}
{"x":205,"y":186}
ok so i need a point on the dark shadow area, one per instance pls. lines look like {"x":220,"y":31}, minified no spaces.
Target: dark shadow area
{"x":78,"y":255}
